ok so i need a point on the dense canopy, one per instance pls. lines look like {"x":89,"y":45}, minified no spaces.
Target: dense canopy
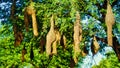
{"x":59,"y":33}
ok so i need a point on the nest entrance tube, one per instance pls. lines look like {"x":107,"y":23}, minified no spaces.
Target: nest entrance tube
{"x":77,"y":37}
{"x":110,"y":21}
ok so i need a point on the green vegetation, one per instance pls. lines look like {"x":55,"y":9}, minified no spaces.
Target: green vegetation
{"x":64,"y":11}
{"x":110,"y":62}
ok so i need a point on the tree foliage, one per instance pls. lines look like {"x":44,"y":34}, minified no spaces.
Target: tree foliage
{"x":64,"y":11}
{"x":110,"y":62}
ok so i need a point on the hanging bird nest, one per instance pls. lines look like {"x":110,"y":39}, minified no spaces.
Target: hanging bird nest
{"x":109,"y":20}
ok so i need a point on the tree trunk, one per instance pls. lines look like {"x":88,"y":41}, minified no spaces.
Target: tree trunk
{"x":17,"y":32}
